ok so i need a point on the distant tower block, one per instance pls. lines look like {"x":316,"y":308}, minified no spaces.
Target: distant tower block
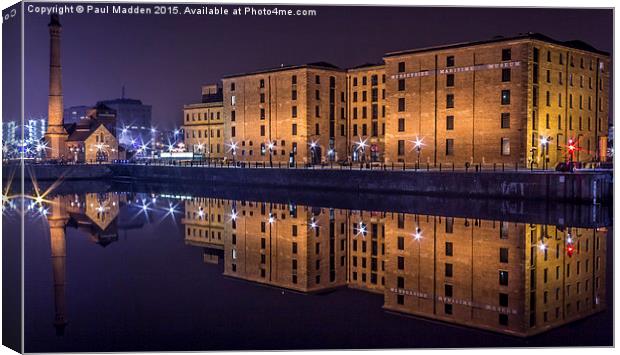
{"x":56,"y":135}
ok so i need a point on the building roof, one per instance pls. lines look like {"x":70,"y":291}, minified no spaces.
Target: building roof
{"x":315,"y":65}
{"x":204,"y":105}
{"x":575,"y":44}
{"x":81,"y":130}
{"x":367,"y":66}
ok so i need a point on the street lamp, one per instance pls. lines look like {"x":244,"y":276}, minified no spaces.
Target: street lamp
{"x":417,"y":145}
{"x":544,"y":142}
{"x":313,"y":146}
{"x":571,"y":152}
{"x":270,"y":146}
{"x":233,"y":150}
{"x":361,"y":146}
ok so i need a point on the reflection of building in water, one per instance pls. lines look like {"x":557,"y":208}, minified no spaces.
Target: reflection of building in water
{"x":204,"y":225}
{"x":94,"y":214}
{"x":57,"y":221}
{"x":493,"y":275}
{"x":283,"y":245}
{"x":367,"y":250}
{"x":506,"y":277}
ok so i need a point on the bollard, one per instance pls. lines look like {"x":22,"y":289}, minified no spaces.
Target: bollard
{"x":439,"y":167}
{"x":403,"y":166}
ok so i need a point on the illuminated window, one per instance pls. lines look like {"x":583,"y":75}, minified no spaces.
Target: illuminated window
{"x":505,"y":98}
{"x":505,"y":146}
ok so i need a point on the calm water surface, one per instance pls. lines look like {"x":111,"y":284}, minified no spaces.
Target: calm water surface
{"x":116,"y":269}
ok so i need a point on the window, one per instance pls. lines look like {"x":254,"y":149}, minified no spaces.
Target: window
{"x":401,"y":124}
{"x":449,"y":270}
{"x":503,"y":300}
{"x":401,"y":147}
{"x":294,"y":111}
{"x":262,"y":130}
{"x":400,"y":282}
{"x":401,"y":67}
{"x":232,"y":86}
{"x":316,"y":129}
{"x":401,"y":243}
{"x":506,"y":54}
{"x":505,"y":142}
{"x":294,"y":129}
{"x":503,"y":255}
{"x":447,"y":308}
{"x":449,"y":147}
{"x":262,"y":83}
{"x":450,"y":61}
{"x":317,"y":79}
{"x":503,"y":319}
{"x":294,"y":95}
{"x":262,"y":113}
{"x":401,"y":263}
{"x":449,"y":123}
{"x":505,"y":97}
{"x":450,"y":101}
{"x":317,"y":111}
{"x":294,"y":79}
{"x":448,"y":290}
{"x":401,"y":104}
{"x":232,"y":131}
{"x":400,"y":299}
{"x":505,"y":120}
{"x":505,"y":74}
{"x":449,"y":249}
{"x":401,"y":84}
{"x":503,"y":278}
{"x":450,"y":80}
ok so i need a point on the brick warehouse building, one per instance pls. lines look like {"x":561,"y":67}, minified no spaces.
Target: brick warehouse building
{"x":367,"y":112}
{"x":204,"y":124}
{"x":494,"y":101}
{"x":301,"y":110}
{"x":511,"y":100}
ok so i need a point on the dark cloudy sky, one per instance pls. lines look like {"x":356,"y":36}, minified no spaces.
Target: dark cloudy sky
{"x":163,"y":60}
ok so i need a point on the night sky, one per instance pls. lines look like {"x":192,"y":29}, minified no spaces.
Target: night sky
{"x":164,"y":60}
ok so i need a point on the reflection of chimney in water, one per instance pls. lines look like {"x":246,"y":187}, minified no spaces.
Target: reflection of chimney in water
{"x":57,"y":221}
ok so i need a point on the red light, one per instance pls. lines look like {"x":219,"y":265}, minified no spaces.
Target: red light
{"x":570,"y":249}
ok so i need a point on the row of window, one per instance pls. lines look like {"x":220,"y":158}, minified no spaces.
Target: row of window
{"x":374,"y":80}
{"x":570,"y":100}
{"x":374,"y":95}
{"x":197,"y":116}
{"x":504,"y":100}
{"x":504,"y":147}
{"x":214,"y":133}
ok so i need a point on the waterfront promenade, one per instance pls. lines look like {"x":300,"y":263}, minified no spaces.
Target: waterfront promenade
{"x":579,"y":187}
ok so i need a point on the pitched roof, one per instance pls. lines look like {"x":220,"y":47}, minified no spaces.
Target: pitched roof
{"x":575,"y":44}
{"x":315,"y":65}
